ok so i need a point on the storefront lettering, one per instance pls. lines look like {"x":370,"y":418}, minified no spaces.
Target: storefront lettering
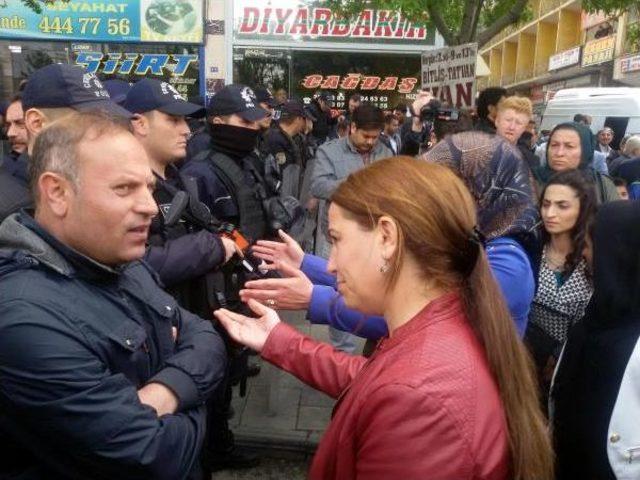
{"x":13,"y":23}
{"x":350,"y":82}
{"x":354,"y":81}
{"x":87,"y":7}
{"x":321,"y":22}
{"x":146,"y":63}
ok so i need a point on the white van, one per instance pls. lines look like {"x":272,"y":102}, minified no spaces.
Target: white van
{"x":614,"y":107}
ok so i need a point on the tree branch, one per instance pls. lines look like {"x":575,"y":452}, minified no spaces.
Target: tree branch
{"x":438,"y":20}
{"x":512,"y":16}
{"x":476,"y":21}
{"x":470,"y":18}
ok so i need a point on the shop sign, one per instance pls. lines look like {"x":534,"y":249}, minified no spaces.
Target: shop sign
{"x":135,"y":63}
{"x":564,"y":59}
{"x":357,"y":81}
{"x":598,"y":51}
{"x":630,"y":64}
{"x":450,"y":74}
{"x":287,"y":20}
{"x":383,"y":80}
{"x":161,"y":21}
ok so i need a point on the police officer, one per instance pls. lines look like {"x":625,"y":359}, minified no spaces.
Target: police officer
{"x":281,"y":137}
{"x":230,"y":174}
{"x":266,"y":101}
{"x":51,"y":93}
{"x":285,"y":141}
{"x":185,"y":251}
{"x":324,"y":123}
{"x":186,"y":255}
{"x":231,"y":181}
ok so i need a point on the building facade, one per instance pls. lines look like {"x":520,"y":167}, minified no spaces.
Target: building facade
{"x":560,"y":47}
{"x":299,"y":47}
{"x":127,"y":39}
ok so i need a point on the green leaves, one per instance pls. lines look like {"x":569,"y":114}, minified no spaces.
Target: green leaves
{"x":609,"y":7}
{"x":463,"y":21}
{"x":36,"y":5}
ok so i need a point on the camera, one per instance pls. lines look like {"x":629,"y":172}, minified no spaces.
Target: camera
{"x":434,"y":110}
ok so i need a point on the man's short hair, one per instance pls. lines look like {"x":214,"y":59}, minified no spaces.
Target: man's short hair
{"x":342,"y":127}
{"x":619,"y":182}
{"x":56,"y":147}
{"x":388,"y":118}
{"x":580,"y":118}
{"x":489,"y":96}
{"x":368,"y":117}
{"x":517,"y":104}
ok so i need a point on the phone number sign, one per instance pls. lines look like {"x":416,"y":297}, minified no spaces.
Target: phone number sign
{"x":170,"y":21}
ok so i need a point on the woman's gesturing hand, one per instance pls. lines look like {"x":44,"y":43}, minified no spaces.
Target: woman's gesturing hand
{"x":293,"y":292}
{"x":288,"y":251}
{"x":248,"y":331}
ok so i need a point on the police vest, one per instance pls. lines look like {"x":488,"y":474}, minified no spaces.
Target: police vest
{"x":248,"y":199}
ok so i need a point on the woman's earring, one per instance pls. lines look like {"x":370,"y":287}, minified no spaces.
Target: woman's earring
{"x":384,"y":268}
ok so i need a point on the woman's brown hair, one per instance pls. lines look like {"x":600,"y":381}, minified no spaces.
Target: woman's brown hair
{"x":435,"y":217}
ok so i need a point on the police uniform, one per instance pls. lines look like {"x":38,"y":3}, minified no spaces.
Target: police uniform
{"x":231,"y":181}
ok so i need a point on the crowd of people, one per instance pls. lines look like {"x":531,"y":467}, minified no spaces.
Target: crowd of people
{"x":148,"y":242}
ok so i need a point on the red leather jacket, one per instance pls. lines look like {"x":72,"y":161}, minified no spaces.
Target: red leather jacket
{"x":423,"y":406}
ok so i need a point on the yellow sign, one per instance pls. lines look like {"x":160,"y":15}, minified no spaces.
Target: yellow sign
{"x":598,"y":51}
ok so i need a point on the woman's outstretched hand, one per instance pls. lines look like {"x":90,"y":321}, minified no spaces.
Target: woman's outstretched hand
{"x":248,"y":331}
{"x":292,"y":292}
{"x":288,"y":251}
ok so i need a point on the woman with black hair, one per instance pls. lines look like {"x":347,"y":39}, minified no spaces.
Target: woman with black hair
{"x":596,"y":389}
{"x":563,"y":281}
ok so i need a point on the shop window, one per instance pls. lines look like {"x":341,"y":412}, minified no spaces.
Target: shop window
{"x":269,"y":68}
{"x":19,"y":59}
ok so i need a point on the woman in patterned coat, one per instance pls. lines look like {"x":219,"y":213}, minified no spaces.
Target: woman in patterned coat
{"x":564,"y":287}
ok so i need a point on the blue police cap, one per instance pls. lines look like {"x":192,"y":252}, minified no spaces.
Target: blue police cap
{"x":151,"y":94}
{"x":238,"y":99}
{"x":70,"y":86}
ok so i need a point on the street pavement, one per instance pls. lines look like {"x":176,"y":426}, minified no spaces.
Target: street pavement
{"x":280,"y":416}
{"x":270,"y":469}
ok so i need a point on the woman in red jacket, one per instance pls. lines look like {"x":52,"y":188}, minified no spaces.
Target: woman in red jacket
{"x":450,"y":393}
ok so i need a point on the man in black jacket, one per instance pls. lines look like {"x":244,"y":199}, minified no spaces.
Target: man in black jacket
{"x":230,"y":179}
{"x":185,"y":251}
{"x":186,"y":255}
{"x":13,"y":170}
{"x":320,"y":109}
{"x":103,"y":375}
{"x":487,"y":108}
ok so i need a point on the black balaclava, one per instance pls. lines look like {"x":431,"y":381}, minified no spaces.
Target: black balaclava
{"x":237,"y":142}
